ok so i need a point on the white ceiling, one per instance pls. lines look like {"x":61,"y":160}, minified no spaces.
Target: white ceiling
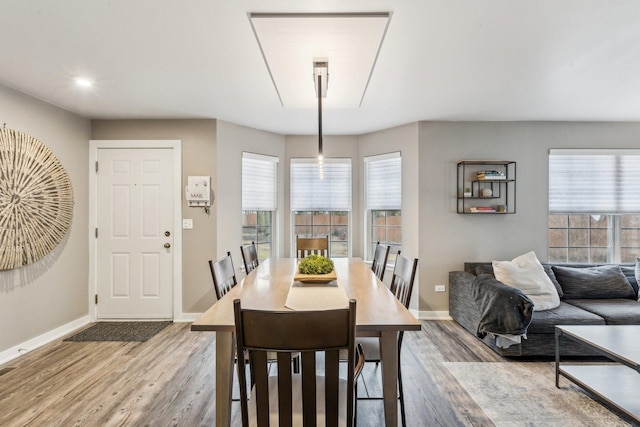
{"x":292,"y":43}
{"x":440,"y":60}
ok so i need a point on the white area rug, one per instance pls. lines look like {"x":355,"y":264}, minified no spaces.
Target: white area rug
{"x":524,"y":394}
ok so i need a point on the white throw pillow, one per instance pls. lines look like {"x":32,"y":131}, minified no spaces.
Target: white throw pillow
{"x":527,"y":274}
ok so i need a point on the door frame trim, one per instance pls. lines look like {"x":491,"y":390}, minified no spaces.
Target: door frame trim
{"x":176,"y":147}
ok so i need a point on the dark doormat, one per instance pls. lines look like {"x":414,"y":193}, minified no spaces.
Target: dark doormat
{"x":120,"y":331}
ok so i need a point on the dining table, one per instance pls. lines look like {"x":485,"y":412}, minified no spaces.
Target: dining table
{"x":270,"y":286}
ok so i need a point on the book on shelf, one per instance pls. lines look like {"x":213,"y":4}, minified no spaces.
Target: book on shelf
{"x":490,"y":175}
{"x":482,"y":209}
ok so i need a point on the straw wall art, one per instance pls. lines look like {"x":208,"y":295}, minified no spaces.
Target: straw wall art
{"x":36,"y":200}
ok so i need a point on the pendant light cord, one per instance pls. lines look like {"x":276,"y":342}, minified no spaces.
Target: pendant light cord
{"x":320,"y":116}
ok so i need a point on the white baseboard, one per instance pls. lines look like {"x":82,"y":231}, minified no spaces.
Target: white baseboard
{"x":186,"y":317}
{"x":434,"y":315}
{"x":39,"y":341}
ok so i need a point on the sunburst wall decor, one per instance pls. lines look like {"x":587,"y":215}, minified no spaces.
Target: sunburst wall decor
{"x":36,"y":200}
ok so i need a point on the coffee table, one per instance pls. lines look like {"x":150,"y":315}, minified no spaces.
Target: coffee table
{"x":617,"y":385}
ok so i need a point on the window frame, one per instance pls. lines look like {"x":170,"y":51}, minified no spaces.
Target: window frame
{"x":258,"y":242}
{"x":392,"y":203}
{"x":255,"y":207}
{"x":321,"y":168}
{"x":330,"y":226}
{"x":607,"y":190}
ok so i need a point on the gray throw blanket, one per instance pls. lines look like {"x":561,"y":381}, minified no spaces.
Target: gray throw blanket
{"x":503,"y":309}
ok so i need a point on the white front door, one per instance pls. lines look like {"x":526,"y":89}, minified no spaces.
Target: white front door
{"x":134,"y":265}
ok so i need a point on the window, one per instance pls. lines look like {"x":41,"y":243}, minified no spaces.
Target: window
{"x":321,"y":201}
{"x":594,"y":206}
{"x":259,"y":201}
{"x":383,"y":192}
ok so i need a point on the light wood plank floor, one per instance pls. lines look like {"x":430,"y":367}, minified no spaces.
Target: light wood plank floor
{"x":169,"y":381}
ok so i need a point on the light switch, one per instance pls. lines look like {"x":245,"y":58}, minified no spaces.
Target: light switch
{"x":187,"y":223}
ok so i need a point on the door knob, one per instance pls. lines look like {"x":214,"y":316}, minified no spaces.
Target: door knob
{"x":167,"y":245}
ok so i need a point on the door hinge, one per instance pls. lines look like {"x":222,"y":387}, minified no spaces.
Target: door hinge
{"x":96,"y":166}
{"x":96,"y":232}
{"x":96,"y":298}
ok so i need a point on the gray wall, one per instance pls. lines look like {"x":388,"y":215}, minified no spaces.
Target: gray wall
{"x":209,"y":147}
{"x":199,"y":157}
{"x":448,"y":239}
{"x":232,"y":141}
{"x":52,"y":292}
{"x":404,"y":139}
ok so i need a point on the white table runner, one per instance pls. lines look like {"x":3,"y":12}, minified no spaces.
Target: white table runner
{"x":316,"y":296}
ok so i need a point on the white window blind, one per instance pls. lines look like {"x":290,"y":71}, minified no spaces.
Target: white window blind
{"x":594,"y":181}
{"x":383,"y":177}
{"x":310,"y":192}
{"x":259,"y":182}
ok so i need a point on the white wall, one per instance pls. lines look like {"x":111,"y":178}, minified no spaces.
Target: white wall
{"x":232,"y":141}
{"x":51,"y":292}
{"x":448,"y":239}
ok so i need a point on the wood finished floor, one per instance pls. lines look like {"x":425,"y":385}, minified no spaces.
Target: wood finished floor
{"x":169,"y":381}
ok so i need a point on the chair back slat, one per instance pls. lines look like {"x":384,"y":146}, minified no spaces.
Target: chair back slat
{"x":260,"y":370}
{"x":223,"y":274}
{"x":379,"y":264}
{"x":309,"y":401}
{"x":249,"y":257}
{"x":285,"y":387}
{"x":306,"y":332}
{"x":306,"y":246}
{"x":331,"y":387}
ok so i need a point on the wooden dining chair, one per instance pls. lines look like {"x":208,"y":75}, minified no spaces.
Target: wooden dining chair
{"x":250,"y":260}
{"x":404,"y":273}
{"x":288,"y":399}
{"x":224,"y":279}
{"x":223,"y":274}
{"x":249,"y":257}
{"x":312,"y":245}
{"x":379,"y":264}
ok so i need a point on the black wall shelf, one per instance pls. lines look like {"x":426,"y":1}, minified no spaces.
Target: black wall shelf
{"x":493,"y":193}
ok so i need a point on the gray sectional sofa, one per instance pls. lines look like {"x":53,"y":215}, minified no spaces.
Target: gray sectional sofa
{"x":589,"y":295}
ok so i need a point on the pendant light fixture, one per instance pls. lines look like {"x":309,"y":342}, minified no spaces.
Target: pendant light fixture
{"x":321,"y":78}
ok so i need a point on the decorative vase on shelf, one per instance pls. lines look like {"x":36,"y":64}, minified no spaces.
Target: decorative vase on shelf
{"x":486,"y":192}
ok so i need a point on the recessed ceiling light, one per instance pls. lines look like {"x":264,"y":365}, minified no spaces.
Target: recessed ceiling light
{"x":84,"y":82}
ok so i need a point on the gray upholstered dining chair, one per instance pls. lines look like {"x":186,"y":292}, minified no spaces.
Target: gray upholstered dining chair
{"x":288,"y":399}
{"x":404,"y":273}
